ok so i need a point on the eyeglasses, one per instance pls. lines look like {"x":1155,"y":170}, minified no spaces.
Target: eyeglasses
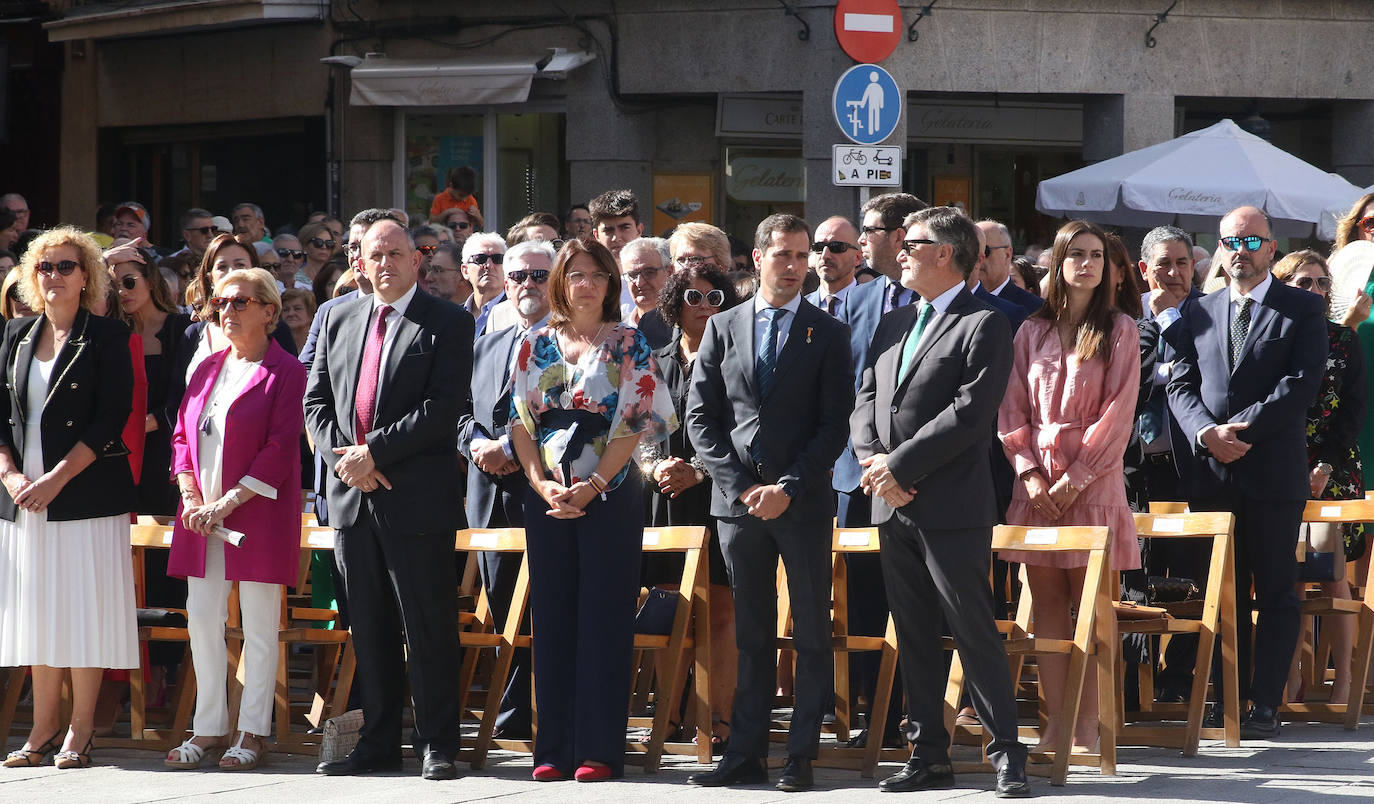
{"x":868,"y":230}
{"x":481,"y":259}
{"x":204,"y":230}
{"x":292,"y":254}
{"x":64,"y":268}
{"x":835,"y":246}
{"x":646,"y":274}
{"x":239,"y":303}
{"x":1251,"y":242}
{"x":1305,"y":282}
{"x":987,"y":250}
{"x":539,"y":275}
{"x":129,"y":282}
{"x":696,"y":262}
{"x":428,"y":251}
{"x":909,"y":246}
{"x":694,"y":297}
{"x":459,"y":226}
{"x":596,"y":277}
{"x":1367,"y":224}
{"x":270,"y":266}
{"x":320,"y":243}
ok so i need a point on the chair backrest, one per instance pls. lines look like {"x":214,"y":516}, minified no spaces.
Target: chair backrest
{"x":675,"y":539}
{"x":150,"y":535}
{"x":1168,"y":507}
{"x":1051,"y":540}
{"x":500,"y":540}
{"x":1338,"y":511}
{"x":854,"y":540}
{"x":317,"y":537}
{"x":1160,"y":525}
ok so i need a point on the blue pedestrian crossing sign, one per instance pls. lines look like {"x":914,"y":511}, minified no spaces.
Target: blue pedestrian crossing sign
{"x":867,"y":104}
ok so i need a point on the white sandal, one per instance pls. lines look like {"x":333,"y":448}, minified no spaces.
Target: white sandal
{"x":247,"y":758}
{"x":189,"y":756}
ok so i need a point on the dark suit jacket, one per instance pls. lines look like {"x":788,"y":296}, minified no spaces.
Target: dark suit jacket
{"x":1014,"y":312}
{"x":1272,"y":387}
{"x":1023,"y":298}
{"x":935,"y":424}
{"x":424,"y":388}
{"x":655,"y":330}
{"x":862,"y":309}
{"x":307,"y":357}
{"x":89,"y":398}
{"x":1155,"y":350}
{"x":491,"y":357}
{"x":802,"y":425}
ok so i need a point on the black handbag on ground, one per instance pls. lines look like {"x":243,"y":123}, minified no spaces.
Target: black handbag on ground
{"x":657,"y":613}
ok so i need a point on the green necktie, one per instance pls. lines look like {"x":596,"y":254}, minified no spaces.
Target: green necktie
{"x":913,"y":338}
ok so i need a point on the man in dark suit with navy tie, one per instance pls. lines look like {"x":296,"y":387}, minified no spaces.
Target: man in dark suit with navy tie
{"x":1249,"y":362}
{"x":389,"y":382}
{"x":922,"y":423}
{"x":496,"y":483}
{"x":768,"y":412}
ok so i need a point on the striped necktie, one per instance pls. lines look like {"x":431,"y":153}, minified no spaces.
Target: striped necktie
{"x":768,"y":352}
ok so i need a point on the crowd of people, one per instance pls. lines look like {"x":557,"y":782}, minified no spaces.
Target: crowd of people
{"x":580,"y":380}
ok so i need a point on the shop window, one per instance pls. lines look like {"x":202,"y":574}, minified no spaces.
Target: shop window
{"x":760,"y":182}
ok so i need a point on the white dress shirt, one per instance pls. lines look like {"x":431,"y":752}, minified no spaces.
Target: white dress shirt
{"x":784,"y":323}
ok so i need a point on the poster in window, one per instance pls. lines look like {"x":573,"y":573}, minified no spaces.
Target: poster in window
{"x":681,"y":197}
{"x":953,"y":191}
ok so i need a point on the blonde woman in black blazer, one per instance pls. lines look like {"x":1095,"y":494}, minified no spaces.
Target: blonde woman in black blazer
{"x":66,"y":574}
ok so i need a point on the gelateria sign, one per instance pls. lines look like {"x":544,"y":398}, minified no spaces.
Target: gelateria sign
{"x":1009,"y":124}
{"x":766,"y":178}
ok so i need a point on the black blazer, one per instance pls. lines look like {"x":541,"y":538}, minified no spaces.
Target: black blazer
{"x":1271,"y":387}
{"x":425,"y":388}
{"x":800,"y":428}
{"x":89,"y":399}
{"x":489,"y":419}
{"x":1024,"y":298}
{"x":935,"y":424}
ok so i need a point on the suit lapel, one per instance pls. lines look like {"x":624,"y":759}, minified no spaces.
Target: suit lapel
{"x":407,"y":330}
{"x":1262,"y":317}
{"x":1219,"y":305}
{"x":797,"y":338}
{"x":72,"y":349}
{"x":938,"y":327}
{"x":23,"y":356}
{"x":742,"y":333}
{"x":885,"y":367}
{"x":352,"y":335}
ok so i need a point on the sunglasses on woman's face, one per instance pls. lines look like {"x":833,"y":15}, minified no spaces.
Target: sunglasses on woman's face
{"x":1323,"y":283}
{"x":320,"y":243}
{"x":1366,"y":224}
{"x":239,"y":303}
{"x":129,"y":282}
{"x":64,"y":268}
{"x":694,"y":297}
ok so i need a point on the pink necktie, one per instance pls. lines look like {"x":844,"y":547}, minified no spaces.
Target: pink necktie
{"x":366,"y":403}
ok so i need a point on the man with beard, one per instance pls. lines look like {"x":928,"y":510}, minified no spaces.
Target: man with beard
{"x":1249,"y":361}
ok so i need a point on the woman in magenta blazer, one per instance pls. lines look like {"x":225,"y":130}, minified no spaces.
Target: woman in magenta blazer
{"x":236,"y":459}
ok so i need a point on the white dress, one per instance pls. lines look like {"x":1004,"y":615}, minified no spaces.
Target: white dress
{"x":66,"y":588}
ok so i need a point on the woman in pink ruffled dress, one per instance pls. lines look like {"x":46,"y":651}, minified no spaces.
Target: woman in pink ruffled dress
{"x":1064,"y":424}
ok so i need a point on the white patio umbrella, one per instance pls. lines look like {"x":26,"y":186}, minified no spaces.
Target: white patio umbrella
{"x":1326,"y":227}
{"x":1193,"y":180}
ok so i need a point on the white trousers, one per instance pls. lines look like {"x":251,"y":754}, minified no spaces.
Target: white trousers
{"x":207,"y":607}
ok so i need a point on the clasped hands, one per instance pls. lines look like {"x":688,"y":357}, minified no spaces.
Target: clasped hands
{"x":199,"y":517}
{"x":674,"y":476}
{"x":1223,"y":441}
{"x":565,"y":502}
{"x":1047,"y":500}
{"x":356,"y":468}
{"x":491,"y":457}
{"x":877,"y":481}
{"x":766,"y":502}
{"x":32,"y":495}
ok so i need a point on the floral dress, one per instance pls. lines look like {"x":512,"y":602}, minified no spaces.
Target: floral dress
{"x":1333,"y":425}
{"x":617,"y":380}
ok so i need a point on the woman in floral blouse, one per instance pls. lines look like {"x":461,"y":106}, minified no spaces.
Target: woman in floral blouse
{"x":586,"y":390}
{"x":1333,"y":454}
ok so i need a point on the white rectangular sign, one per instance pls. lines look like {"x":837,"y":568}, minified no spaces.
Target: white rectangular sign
{"x":866,"y":165}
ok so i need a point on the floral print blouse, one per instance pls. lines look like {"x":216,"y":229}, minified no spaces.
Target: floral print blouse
{"x":618,"y":379}
{"x":1333,"y":426}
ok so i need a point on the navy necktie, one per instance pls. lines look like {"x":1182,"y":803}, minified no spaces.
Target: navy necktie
{"x":768,"y":353}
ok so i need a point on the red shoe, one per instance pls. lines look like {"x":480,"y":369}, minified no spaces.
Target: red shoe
{"x":592,"y":773}
{"x":548,"y":773}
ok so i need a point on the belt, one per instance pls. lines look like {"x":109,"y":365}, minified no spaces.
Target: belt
{"x":1160,"y":458}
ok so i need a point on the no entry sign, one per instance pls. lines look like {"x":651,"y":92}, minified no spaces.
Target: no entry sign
{"x":868,"y":30}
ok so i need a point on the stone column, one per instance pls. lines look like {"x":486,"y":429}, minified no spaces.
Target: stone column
{"x":1352,"y":147}
{"x":77,"y":173}
{"x":607,"y":149}
{"x":1117,"y":124}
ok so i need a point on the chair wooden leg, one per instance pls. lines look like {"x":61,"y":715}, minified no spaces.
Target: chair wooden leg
{"x":343,"y":686}
{"x":1364,"y":642}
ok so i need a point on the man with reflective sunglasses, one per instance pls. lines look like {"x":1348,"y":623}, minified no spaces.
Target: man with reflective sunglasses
{"x":495,"y":482}
{"x":1250,"y":359}
{"x":483,"y":255}
{"x":837,"y":244}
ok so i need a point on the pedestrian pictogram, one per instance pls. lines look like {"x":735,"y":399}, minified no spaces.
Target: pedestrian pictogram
{"x":867,"y":104}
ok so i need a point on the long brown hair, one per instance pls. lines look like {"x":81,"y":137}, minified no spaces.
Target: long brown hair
{"x":1126,"y":296}
{"x":201,"y":288}
{"x":1348,"y":227}
{"x":1094,"y":336}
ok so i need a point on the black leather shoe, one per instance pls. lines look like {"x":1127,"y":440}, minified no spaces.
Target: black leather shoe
{"x":733,"y":769}
{"x":438,"y":767}
{"x":796,"y":775}
{"x":1011,"y":781}
{"x":890,"y":740}
{"x":919,"y":775}
{"x":355,"y":765}
{"x":1214,"y":719}
{"x":1262,"y":723}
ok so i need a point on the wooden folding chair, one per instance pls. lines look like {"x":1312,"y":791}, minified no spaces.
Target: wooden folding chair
{"x":480,"y":633}
{"x":1217,"y":620}
{"x":1362,"y":607}
{"x":690,"y":632}
{"x":1094,"y":635}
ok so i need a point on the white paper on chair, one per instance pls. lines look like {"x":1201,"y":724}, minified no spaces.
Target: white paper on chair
{"x":1166,"y":525}
{"x":1041,"y":536}
{"x":650,"y":538}
{"x":1331,"y":511}
{"x":854,"y":538}
{"x":483,"y":539}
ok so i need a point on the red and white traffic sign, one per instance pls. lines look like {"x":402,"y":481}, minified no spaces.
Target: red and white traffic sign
{"x":868,"y":30}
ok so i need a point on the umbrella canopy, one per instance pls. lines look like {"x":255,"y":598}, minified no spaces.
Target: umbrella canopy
{"x":1194,"y":180}
{"x":1326,"y":227}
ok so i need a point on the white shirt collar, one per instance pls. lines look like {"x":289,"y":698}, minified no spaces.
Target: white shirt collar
{"x":997,"y":291}
{"x":1256,"y":293}
{"x":400,"y":304}
{"x":944,"y":300}
{"x":792,"y":306}
{"x":840,"y":294}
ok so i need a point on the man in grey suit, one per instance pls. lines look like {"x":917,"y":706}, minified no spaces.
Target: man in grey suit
{"x":921,"y":426}
{"x":768,"y":412}
{"x":389,"y":381}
